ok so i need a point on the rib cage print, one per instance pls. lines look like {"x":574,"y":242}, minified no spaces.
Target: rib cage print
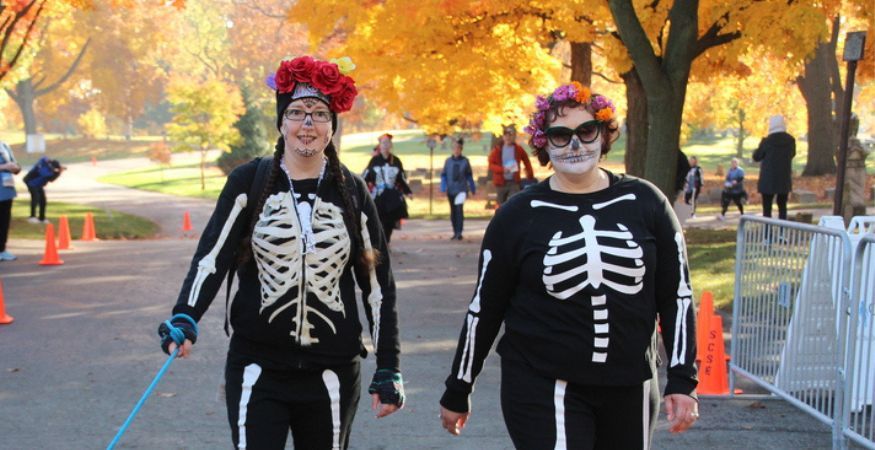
{"x":574,"y":262}
{"x":283,"y":268}
{"x":593,"y":258}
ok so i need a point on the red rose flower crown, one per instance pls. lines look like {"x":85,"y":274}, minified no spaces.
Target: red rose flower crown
{"x":327,"y":77}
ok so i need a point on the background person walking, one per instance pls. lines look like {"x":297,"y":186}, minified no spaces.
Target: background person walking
{"x":775,"y":155}
{"x":457,"y":180}
{"x":733,"y":190}
{"x":504,"y":163}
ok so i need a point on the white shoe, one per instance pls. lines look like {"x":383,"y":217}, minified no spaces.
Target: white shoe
{"x":6,"y":256}
{"x":32,"y":220}
{"x":721,"y":217}
{"x":44,"y":221}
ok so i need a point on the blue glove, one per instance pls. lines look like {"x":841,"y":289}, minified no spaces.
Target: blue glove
{"x":389,"y":386}
{"x":179,"y":328}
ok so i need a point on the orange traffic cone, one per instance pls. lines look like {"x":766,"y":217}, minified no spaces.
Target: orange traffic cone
{"x":88,"y":231}
{"x":4,"y":318}
{"x":64,"y":234}
{"x":186,"y":222}
{"x":93,"y":160}
{"x":713,"y":373}
{"x":703,"y":321}
{"x":51,"y":257}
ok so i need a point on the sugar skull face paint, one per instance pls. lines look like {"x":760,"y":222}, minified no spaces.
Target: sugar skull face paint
{"x":307,"y":127}
{"x":574,"y":142}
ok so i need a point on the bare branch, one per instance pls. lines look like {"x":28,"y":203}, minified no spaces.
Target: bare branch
{"x":67,"y":74}
{"x":605,"y":77}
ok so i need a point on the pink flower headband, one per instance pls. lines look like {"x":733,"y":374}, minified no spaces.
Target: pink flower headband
{"x":600,"y":106}
{"x":304,"y":74}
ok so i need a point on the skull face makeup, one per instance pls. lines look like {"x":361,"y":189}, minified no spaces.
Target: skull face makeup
{"x":305,"y":128}
{"x":576,"y":157}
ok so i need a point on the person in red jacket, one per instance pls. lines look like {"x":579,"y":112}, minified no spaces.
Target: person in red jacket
{"x":504,"y":163}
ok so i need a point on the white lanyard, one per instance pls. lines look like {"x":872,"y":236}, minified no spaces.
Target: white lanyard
{"x":305,"y":211}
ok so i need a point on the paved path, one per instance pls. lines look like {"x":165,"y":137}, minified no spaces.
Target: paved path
{"x":83,"y":347}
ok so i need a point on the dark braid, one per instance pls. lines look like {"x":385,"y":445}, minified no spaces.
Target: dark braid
{"x":245,"y":251}
{"x":367,"y":259}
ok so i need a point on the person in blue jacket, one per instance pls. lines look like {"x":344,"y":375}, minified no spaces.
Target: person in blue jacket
{"x":457,"y":181}
{"x":42,"y":173}
{"x":8,"y":168}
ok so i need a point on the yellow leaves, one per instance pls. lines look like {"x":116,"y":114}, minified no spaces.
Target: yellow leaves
{"x":204,"y":113}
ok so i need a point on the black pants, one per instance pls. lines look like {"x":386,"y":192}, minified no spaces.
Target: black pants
{"x":736,"y":197}
{"x":457,"y":215}
{"x":782,"y":205}
{"x":5,"y":218}
{"x":318,"y":406}
{"x":543,"y":413}
{"x":388,"y":228}
{"x":692,"y":198}
{"x":37,"y":198}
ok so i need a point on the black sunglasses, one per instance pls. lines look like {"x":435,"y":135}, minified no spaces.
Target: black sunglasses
{"x":586,"y":132}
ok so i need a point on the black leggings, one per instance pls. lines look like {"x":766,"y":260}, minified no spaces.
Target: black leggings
{"x":37,"y":198}
{"x":737,"y":198}
{"x":543,"y":413}
{"x":318,"y":406}
{"x":781,"y":199}
{"x":388,"y":228}
{"x":5,"y":218}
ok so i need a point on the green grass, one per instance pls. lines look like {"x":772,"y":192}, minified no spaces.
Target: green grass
{"x":712,"y":264}
{"x":109,"y":224}
{"x":183,"y":180}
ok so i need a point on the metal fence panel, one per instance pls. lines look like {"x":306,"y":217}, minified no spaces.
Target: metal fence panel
{"x":858,"y":416}
{"x":787,"y":329}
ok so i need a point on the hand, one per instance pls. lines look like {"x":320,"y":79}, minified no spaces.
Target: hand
{"x":383,"y":409}
{"x":682,"y":411}
{"x":410,"y":196}
{"x":453,"y":421}
{"x":184,"y":351}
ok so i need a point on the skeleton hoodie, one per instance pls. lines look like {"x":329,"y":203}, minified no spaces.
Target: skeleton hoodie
{"x":295,"y":309}
{"x":579,"y":281}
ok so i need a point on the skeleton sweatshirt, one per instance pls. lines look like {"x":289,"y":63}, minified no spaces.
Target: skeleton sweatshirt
{"x":579,"y":281}
{"x":292,"y":308}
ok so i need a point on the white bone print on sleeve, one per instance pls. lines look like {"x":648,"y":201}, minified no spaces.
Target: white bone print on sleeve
{"x":207,"y":265}
{"x":375,"y":297}
{"x":684,"y":298}
{"x":471,"y":324}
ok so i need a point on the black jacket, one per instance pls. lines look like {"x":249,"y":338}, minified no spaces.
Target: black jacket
{"x":775,"y":152}
{"x":270,"y":322}
{"x":579,"y":280}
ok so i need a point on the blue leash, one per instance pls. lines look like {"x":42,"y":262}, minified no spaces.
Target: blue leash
{"x":140,"y":403}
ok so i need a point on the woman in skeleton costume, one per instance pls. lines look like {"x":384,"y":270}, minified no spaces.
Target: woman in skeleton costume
{"x":580,"y":268}
{"x":388,"y":184}
{"x":301,"y":232}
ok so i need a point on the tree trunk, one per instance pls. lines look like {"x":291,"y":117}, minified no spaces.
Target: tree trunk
{"x":636,"y":124}
{"x":815,"y":88}
{"x":203,"y":168}
{"x":663,"y":139}
{"x":581,"y":63}
{"x":739,"y":146}
{"x":24,"y":96}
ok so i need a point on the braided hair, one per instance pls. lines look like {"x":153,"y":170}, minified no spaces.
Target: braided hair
{"x":367,"y":258}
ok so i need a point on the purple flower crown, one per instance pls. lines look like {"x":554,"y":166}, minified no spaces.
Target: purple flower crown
{"x":600,"y":106}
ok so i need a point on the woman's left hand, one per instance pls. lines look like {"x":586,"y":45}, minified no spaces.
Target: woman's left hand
{"x":383,"y":409}
{"x":682,"y":411}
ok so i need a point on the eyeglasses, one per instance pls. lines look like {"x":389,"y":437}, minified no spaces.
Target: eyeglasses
{"x":298,"y":115}
{"x":586,"y":132}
